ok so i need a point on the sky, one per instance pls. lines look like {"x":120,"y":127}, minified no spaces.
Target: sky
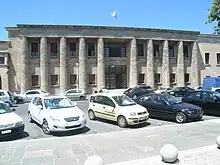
{"x":164,"y":14}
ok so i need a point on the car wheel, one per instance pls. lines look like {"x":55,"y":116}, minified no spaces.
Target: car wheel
{"x":134,"y":96}
{"x":30,"y":118}
{"x":91,"y":115}
{"x":45,"y":127}
{"x":180,"y":117}
{"x":122,"y":122}
{"x":82,"y":98}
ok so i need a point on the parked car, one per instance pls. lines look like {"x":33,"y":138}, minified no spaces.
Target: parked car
{"x":18,"y":99}
{"x":180,"y":91}
{"x":10,"y":122}
{"x":198,"y":88}
{"x":116,"y":107}
{"x":137,"y":91}
{"x":7,"y":97}
{"x":162,"y":90}
{"x":166,"y":106}
{"x":55,"y":114}
{"x":76,"y":94}
{"x":28,"y":95}
{"x":208,"y":100}
{"x":217,"y":89}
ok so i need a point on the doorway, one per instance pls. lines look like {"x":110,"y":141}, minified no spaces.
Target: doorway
{"x":118,"y":80}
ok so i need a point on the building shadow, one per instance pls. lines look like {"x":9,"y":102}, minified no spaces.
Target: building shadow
{"x":14,"y":137}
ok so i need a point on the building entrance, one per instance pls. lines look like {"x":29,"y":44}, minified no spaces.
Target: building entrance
{"x":115,"y":76}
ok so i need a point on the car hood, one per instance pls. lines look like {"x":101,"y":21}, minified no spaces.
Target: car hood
{"x":182,"y":105}
{"x":9,"y":118}
{"x":65,"y":112}
{"x":133,"y":108}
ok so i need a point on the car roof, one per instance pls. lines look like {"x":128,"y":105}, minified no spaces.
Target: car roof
{"x":155,"y":94}
{"x":51,"y":96}
{"x":107,"y":94}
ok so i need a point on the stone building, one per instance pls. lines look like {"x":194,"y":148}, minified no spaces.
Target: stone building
{"x":59,"y":57}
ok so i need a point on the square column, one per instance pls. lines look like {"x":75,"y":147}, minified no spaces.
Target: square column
{"x":166,"y":66}
{"x":82,"y":64}
{"x":100,"y":65}
{"x":180,"y":71}
{"x":195,"y":76}
{"x":133,"y":64}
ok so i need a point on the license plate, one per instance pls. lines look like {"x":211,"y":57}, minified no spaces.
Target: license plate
{"x":143,"y":118}
{"x":6,"y":131}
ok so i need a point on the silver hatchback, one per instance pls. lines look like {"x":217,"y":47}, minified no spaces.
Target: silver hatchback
{"x":76,"y":94}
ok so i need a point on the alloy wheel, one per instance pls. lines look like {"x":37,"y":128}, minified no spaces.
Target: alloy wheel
{"x":30,"y":117}
{"x":122,"y":122}
{"x":180,"y":117}
{"x":45,"y":127}
{"x":91,"y":115}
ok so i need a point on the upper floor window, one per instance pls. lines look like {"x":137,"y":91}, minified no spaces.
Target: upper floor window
{"x":72,"y":48}
{"x":115,"y":50}
{"x":186,"y":51}
{"x":140,"y":49}
{"x":218,"y":58}
{"x":91,"y":49}
{"x":156,"y":51}
{"x":171,"y":51}
{"x":35,"y":49}
{"x":206,"y":58}
{"x":53,"y":49}
{"x":2,"y":60}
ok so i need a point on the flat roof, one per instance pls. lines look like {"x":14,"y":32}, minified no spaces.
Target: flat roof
{"x":101,"y":27}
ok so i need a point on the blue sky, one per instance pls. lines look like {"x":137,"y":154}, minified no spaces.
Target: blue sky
{"x":169,"y":14}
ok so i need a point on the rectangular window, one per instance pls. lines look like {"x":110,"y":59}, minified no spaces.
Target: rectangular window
{"x":218,"y":58}
{"x":157,"y":78}
{"x":140,"y":49}
{"x":53,"y":49}
{"x":186,"y":51}
{"x":91,"y":78}
{"x":141,"y":78}
{"x":172,"y":78}
{"x":206,"y":58}
{"x":35,"y":49}
{"x":91,"y":49}
{"x":73,"y":79}
{"x":156,"y":51}
{"x":34,"y":80}
{"x":115,"y":50}
{"x":2,"y":60}
{"x":171,"y":51}
{"x":54,"y":80}
{"x":186,"y":77}
{"x":72,"y":49}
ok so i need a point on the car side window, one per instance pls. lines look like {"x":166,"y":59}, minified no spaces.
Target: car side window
{"x":98,"y":99}
{"x":146,"y":99}
{"x":159,"y":100}
{"x":32,"y":93}
{"x":207,"y":96}
{"x":217,"y":90}
{"x":2,"y":94}
{"x":71,"y":91}
{"x":39,"y":102}
{"x":35,"y":101}
{"x":107,"y":101}
{"x":78,"y":91}
{"x":194,"y":95}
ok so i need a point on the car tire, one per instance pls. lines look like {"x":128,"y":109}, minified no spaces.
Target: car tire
{"x":91,"y":115}
{"x":180,"y":117}
{"x":30,"y":119}
{"x":134,"y":97}
{"x":81,"y":98}
{"x":45,"y":127}
{"x":122,"y":122}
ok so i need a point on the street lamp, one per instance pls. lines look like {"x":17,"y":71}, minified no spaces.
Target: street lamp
{"x":77,"y":65}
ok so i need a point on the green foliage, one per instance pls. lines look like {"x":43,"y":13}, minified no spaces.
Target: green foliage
{"x":214,"y":15}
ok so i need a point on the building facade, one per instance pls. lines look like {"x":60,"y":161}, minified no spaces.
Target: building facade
{"x":59,"y":57}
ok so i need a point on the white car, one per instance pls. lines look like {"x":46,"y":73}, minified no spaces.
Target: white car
{"x":56,"y":114}
{"x":117,"y":107}
{"x":28,"y":95}
{"x":7,"y":97}
{"x":76,"y":94}
{"x":10,"y":122}
{"x":162,"y":90}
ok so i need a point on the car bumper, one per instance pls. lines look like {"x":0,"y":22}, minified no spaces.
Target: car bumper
{"x":11,"y":131}
{"x":138,"y":120}
{"x":194,"y":116}
{"x":56,"y":127}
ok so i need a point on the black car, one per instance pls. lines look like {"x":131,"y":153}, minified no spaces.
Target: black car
{"x":137,"y":91}
{"x":208,"y":100}
{"x":180,"y":91}
{"x":166,"y":106}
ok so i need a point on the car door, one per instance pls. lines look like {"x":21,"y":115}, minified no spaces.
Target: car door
{"x":147,"y":102}
{"x":39,"y":110}
{"x":30,"y":94}
{"x":32,"y":107}
{"x":209,"y":104}
{"x":193,"y":98}
{"x":108,"y":107}
{"x":97,"y":106}
{"x":71,"y":94}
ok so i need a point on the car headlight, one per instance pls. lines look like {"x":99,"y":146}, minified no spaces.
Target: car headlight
{"x":133,"y":113}
{"x":54,"y":119}
{"x":19,"y":123}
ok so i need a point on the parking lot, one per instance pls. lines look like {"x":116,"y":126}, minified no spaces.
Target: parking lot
{"x":33,"y":131}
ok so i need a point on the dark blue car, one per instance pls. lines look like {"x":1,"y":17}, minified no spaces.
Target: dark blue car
{"x":165,"y":106}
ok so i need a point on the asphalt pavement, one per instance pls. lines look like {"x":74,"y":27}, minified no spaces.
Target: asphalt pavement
{"x":33,"y":130}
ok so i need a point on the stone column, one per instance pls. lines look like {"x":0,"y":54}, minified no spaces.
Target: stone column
{"x":166,"y":66}
{"x":82,"y":64}
{"x":194,"y":76}
{"x":43,"y":65}
{"x":23,"y":67}
{"x":180,"y":71}
{"x":63,"y":65}
{"x":150,"y":64}
{"x":133,"y":64}
{"x":100,"y":65}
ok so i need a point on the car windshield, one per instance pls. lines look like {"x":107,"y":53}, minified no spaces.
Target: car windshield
{"x":4,"y":108}
{"x":217,"y":94}
{"x":123,"y":100}
{"x":171,"y":99}
{"x":58,"y":103}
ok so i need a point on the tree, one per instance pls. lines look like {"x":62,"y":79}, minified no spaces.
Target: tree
{"x":214,"y":16}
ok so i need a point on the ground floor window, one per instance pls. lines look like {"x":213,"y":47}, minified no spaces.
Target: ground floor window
{"x":54,"y":80}
{"x":186,"y":78}
{"x":34,"y":80}
{"x":141,"y":79}
{"x":92,"y":79}
{"x":157,"y":78}
{"x":172,"y":78}
{"x":73,"y":79}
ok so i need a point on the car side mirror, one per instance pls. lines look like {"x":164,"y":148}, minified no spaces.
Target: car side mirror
{"x":40,"y":107}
